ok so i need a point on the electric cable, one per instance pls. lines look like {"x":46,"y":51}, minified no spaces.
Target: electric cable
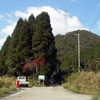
{"x":84,"y":9}
{"x":91,"y":12}
{"x":95,"y":20}
{"x":88,"y":10}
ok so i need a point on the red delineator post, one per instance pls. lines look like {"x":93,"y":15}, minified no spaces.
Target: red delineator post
{"x":17,"y":84}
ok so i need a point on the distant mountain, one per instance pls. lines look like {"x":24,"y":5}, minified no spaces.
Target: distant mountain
{"x":67,"y":47}
{"x":67,"y":44}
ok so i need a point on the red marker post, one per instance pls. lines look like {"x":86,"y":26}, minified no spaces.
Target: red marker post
{"x":17,"y":84}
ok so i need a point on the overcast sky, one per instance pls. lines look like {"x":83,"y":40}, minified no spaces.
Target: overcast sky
{"x":65,"y":15}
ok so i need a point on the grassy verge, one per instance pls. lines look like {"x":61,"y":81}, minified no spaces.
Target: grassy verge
{"x":4,"y":90}
{"x":70,"y":87}
{"x":84,"y":83}
{"x":96,"y":95}
{"x":7,"y":84}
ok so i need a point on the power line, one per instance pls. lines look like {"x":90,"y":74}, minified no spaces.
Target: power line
{"x":91,"y":12}
{"x":84,"y":9}
{"x":88,"y":9}
{"x":95,"y":20}
{"x":89,"y":15}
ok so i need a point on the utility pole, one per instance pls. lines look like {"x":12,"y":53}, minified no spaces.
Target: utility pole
{"x":78,"y":52}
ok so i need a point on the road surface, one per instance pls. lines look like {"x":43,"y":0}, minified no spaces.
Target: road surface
{"x":45,"y":93}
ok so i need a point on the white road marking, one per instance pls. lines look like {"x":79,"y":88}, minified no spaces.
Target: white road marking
{"x":12,"y":95}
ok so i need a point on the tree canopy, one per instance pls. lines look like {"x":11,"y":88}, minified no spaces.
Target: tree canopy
{"x":31,"y":39}
{"x":43,"y":44}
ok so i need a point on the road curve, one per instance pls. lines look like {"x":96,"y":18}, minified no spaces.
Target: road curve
{"x":46,"y":93}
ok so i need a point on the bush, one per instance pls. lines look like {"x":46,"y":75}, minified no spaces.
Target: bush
{"x":12,"y":88}
{"x":1,"y":83}
{"x":73,"y":76}
{"x":96,"y":96}
{"x":3,"y":90}
{"x":32,"y":80}
{"x":71,"y":87}
{"x":7,"y":84}
{"x":85,"y":82}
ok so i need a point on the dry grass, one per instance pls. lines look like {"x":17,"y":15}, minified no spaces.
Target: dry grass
{"x":6,"y":81}
{"x":85,"y":82}
{"x":7,"y":84}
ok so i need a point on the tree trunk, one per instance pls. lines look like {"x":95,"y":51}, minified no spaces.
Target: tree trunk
{"x":36,"y":71}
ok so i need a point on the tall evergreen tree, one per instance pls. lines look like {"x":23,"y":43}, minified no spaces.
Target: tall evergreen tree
{"x":4,"y":62}
{"x":43,"y":43}
{"x":14,"y":41}
{"x":0,"y":65}
{"x":16,"y":34}
{"x":23,"y":48}
{"x":31,"y":20}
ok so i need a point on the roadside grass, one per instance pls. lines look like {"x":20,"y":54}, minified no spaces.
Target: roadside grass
{"x":84,"y":83}
{"x":7,"y":84}
{"x":96,"y":95}
{"x":4,"y":90}
{"x":70,"y":87}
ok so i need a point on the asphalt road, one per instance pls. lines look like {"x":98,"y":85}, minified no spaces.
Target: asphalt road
{"x":45,"y":93}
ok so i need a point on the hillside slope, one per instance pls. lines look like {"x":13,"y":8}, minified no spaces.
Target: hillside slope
{"x":67,"y":51}
{"x":67,"y":44}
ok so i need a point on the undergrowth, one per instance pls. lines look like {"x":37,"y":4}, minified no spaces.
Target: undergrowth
{"x":84,"y":83}
{"x":7,"y":84}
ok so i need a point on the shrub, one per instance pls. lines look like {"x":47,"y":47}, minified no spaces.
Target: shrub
{"x":85,"y":82}
{"x":7,"y":84}
{"x":12,"y":88}
{"x":3,"y":90}
{"x":32,"y":80}
{"x":1,"y":83}
{"x":96,"y":96}
{"x":70,"y":87}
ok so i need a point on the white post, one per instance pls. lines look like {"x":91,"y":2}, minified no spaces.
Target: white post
{"x":78,"y":52}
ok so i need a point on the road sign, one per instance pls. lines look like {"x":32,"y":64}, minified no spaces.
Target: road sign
{"x":41,"y":77}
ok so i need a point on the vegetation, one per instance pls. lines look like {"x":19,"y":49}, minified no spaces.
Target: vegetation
{"x":32,"y":50}
{"x":96,"y":95}
{"x":33,"y":38}
{"x":7,"y":84}
{"x":67,"y":51}
{"x":84,"y":83}
{"x":43,"y":43}
{"x":30,"y":40}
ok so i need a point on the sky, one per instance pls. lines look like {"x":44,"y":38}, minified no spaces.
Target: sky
{"x":65,"y":15}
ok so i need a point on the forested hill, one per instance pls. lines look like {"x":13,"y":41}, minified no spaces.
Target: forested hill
{"x":67,"y":44}
{"x":32,"y":49}
{"x":67,"y":47}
